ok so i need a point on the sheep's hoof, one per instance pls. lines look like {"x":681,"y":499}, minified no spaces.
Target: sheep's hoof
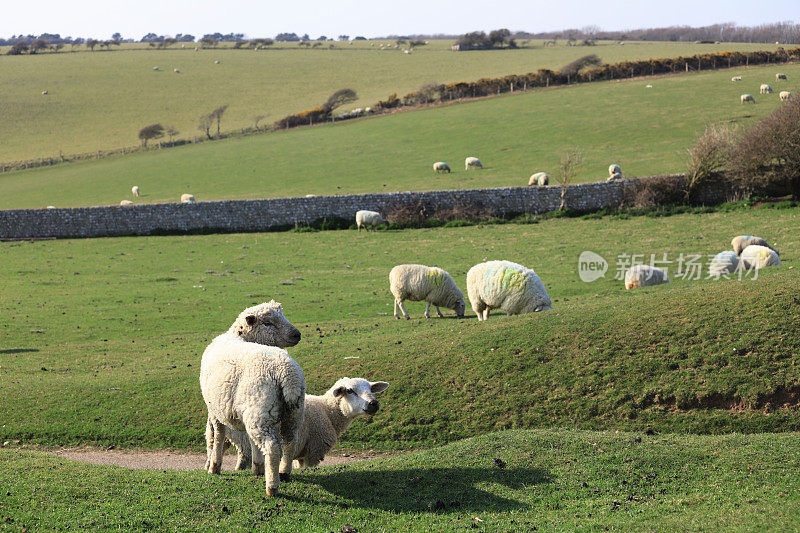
{"x":215,"y":469}
{"x":272,"y":491}
{"x":408,"y":317}
{"x":258,"y":469}
{"x":285,"y":477}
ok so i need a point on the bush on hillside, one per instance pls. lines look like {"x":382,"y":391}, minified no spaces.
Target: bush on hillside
{"x":708,"y":156}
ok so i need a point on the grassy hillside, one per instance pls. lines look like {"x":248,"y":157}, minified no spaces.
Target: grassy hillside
{"x":102,"y":338}
{"x":551,"y":480}
{"x":645,"y":130}
{"x":100,"y":100}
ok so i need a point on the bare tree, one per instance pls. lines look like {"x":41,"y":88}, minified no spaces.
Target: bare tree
{"x":171,"y":132}
{"x":571,"y":160}
{"x":205,"y":125}
{"x":216,"y":115}
{"x":708,"y":155}
{"x":153,"y":131}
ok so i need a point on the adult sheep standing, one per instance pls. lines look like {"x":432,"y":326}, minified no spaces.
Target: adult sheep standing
{"x":251,"y":384}
{"x":785,"y":95}
{"x":766,"y":89}
{"x":780,"y":76}
{"x":508,"y":286}
{"x":747,"y":98}
{"x":431,"y":284}
{"x":540,"y":178}
{"x":135,"y":191}
{"x":472,"y":162}
{"x":614,"y":171}
{"x":369,"y":218}
{"x":441,"y":166}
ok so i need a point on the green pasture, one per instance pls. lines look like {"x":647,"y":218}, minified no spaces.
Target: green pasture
{"x":646,"y":131}
{"x":100,"y":100}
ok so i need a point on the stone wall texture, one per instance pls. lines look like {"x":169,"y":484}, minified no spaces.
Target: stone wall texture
{"x":278,"y":213}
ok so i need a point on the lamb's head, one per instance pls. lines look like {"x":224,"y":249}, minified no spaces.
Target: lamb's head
{"x":265,"y":324}
{"x":356,"y":396}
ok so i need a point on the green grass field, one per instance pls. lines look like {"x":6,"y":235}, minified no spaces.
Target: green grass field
{"x":646,"y":131}
{"x":99,"y":100}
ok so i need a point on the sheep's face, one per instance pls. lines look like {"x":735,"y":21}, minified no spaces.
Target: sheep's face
{"x":356,"y":396}
{"x":265,"y":324}
{"x":459,"y":308}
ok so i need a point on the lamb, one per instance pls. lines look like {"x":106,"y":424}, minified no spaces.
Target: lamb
{"x":743,"y":241}
{"x":614,"y":171}
{"x":507,"y":286}
{"x":540,"y":178}
{"x":766,"y":89}
{"x":135,"y":190}
{"x":472,"y":162}
{"x":250,"y":383}
{"x":187,"y":198}
{"x":780,"y":76}
{"x":369,"y":218}
{"x":723,"y":263}
{"x":441,"y":166}
{"x":756,"y":257}
{"x":736,"y":78}
{"x":126,"y":202}
{"x":431,"y":284}
{"x":747,"y":98}
{"x":326,"y":418}
{"x":644,"y":276}
{"x":785,"y":95}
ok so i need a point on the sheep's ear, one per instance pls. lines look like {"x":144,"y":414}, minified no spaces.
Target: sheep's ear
{"x":250,"y":319}
{"x":378,"y":386}
{"x":338,"y":391}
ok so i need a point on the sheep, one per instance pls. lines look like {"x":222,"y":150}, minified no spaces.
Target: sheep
{"x":644,"y":276}
{"x":540,"y":178}
{"x":51,"y":207}
{"x":326,"y":418}
{"x":785,"y":95}
{"x":614,"y":171}
{"x":155,"y":68}
{"x":44,"y":92}
{"x":441,"y":166}
{"x":736,"y":78}
{"x":741,"y":242}
{"x":472,"y":162}
{"x":780,"y":76}
{"x":367,"y":110}
{"x":406,"y":51}
{"x":187,"y":198}
{"x":176,"y":71}
{"x":250,"y":383}
{"x":747,"y":98}
{"x":135,"y":190}
{"x":723,"y":263}
{"x":648,"y":86}
{"x":756,"y":257}
{"x":431,"y":284}
{"x":369,"y":218}
{"x":126,"y":203}
{"x":507,"y":286}
{"x":766,"y":89}
{"x":216,"y":62}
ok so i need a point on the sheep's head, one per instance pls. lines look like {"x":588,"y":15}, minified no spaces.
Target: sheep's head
{"x":459,"y":308}
{"x":356,"y":396}
{"x":265,"y":324}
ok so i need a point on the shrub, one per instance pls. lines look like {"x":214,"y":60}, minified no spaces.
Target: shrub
{"x":19,"y":48}
{"x":571,"y":69}
{"x":153,"y":131}
{"x":708,"y":156}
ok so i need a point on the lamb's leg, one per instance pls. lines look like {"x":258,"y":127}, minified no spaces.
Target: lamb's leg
{"x":257,"y":464}
{"x":403,"y":309}
{"x":265,"y":436}
{"x":439,"y":312}
{"x":216,"y":453}
{"x":427,"y":309}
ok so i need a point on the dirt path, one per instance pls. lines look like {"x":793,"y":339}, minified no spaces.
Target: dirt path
{"x":172,"y":460}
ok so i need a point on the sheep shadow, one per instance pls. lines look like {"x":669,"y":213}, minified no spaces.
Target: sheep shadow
{"x":427,"y":490}
{"x":18,"y":350}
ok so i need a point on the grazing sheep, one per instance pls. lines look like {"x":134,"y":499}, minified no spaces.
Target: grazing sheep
{"x":441,"y":166}
{"x":756,"y":257}
{"x":369,"y":218}
{"x":507,"y":286}
{"x":367,"y":110}
{"x":743,"y":241}
{"x":766,"y":89}
{"x":723,"y":263}
{"x":126,"y":202}
{"x":326,"y":418}
{"x":785,"y":95}
{"x":250,"y":383}
{"x":540,"y":178}
{"x":135,"y":190}
{"x":44,"y":92}
{"x":747,"y":98}
{"x":176,"y":71}
{"x":187,"y":198}
{"x":614,"y":171}
{"x":736,"y":78}
{"x":216,"y":62}
{"x":472,"y":162}
{"x":431,"y":284}
{"x":780,"y":76}
{"x":644,"y":276}
{"x":155,"y":68}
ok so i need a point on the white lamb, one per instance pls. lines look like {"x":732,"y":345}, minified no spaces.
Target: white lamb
{"x":369,"y":218}
{"x":725,"y":262}
{"x":326,"y":418}
{"x":249,"y":383}
{"x":614,"y":171}
{"x":780,"y":76}
{"x":431,"y":284}
{"x":540,"y":178}
{"x":135,"y":191}
{"x":644,"y":276}
{"x":441,"y":166}
{"x":472,"y":162}
{"x":187,"y":198}
{"x":508,"y":286}
{"x":747,"y":98}
{"x":766,"y":89}
{"x":785,"y":95}
{"x":736,"y":78}
{"x":741,"y":242}
{"x":126,"y":202}
{"x":756,"y":257}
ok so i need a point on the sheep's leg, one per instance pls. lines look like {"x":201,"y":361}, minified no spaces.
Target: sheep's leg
{"x":257,"y":464}
{"x":438,"y":311}
{"x":265,"y":437}
{"x":242,"y":443}
{"x":290,"y":428}
{"x":427,"y":309}
{"x":486,"y":313}
{"x":403,"y":309}
{"x":216,"y":453}
{"x":478,"y":307}
{"x":209,"y":442}
{"x":395,"y":309}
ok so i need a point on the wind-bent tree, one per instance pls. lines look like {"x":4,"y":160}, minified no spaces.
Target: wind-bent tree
{"x":153,"y":131}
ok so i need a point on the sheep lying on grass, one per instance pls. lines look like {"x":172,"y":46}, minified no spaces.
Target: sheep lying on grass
{"x":187,"y":198}
{"x":508,"y":286}
{"x":741,"y":242}
{"x":420,"y":282}
{"x":472,"y":162}
{"x":736,"y":78}
{"x":249,"y":383}
{"x":441,"y":166}
{"x":725,"y":262}
{"x":756,"y":257}
{"x":644,"y":276}
{"x":540,"y":178}
{"x":326,"y":418}
{"x":126,"y":202}
{"x":369,"y":218}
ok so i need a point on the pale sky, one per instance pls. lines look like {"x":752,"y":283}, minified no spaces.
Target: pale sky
{"x":265,"y":18}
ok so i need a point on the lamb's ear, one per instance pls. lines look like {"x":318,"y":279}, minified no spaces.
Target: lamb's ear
{"x":250,"y":319}
{"x":338,"y":391}
{"x":378,"y":386}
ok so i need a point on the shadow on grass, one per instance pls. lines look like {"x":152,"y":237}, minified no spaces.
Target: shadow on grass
{"x":18,"y":350}
{"x":428,"y":490}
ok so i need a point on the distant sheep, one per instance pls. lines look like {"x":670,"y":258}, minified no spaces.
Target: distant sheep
{"x":216,"y":62}
{"x":540,"y":178}
{"x":614,"y":171}
{"x":44,"y":92}
{"x":472,"y":162}
{"x":369,"y":218}
{"x":441,"y":166}
{"x":725,"y":262}
{"x":176,"y":71}
{"x":747,"y":98}
{"x":156,"y":68}
{"x":780,"y":76}
{"x":126,"y":202}
{"x":756,"y":257}
{"x":508,"y":286}
{"x":766,"y":89}
{"x":135,"y":191}
{"x":431,"y":284}
{"x":741,"y":242}
{"x":648,"y":86}
{"x":187,"y":198}
{"x":736,"y":78}
{"x":785,"y":95}
{"x":644,"y":276}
